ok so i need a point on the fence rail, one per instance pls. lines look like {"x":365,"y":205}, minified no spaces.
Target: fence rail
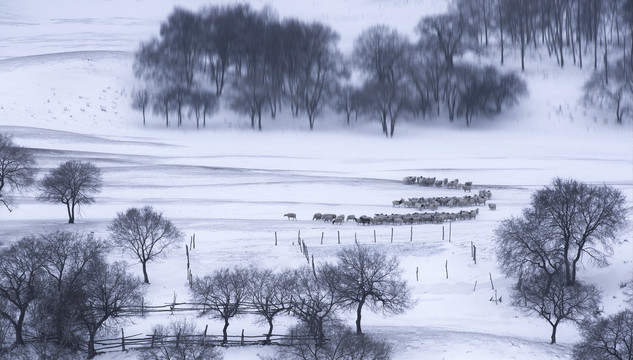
{"x":140,"y":341}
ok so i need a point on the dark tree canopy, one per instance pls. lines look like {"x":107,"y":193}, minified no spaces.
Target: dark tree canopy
{"x":609,"y":338}
{"x":74,"y":184}
{"x":380,"y":53}
{"x":17,"y":170}
{"x":270,"y":63}
{"x":21,"y":280}
{"x":107,"y":296}
{"x":445,"y":33}
{"x":68,"y":260}
{"x":145,"y":233}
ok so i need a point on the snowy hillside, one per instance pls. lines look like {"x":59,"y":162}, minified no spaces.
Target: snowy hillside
{"x":65,"y":81}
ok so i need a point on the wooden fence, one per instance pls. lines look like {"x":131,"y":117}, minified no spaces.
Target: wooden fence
{"x":141,"y":341}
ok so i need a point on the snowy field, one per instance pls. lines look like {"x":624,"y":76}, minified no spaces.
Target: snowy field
{"x":65,"y":80}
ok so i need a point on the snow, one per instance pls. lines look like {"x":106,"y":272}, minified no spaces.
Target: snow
{"x":65,"y":81}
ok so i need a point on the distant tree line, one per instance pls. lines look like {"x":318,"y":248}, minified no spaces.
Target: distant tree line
{"x":598,"y":32}
{"x":261,"y":64}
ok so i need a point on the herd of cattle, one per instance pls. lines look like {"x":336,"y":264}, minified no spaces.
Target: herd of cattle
{"x":421,"y":203}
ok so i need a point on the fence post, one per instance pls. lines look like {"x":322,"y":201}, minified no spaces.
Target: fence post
{"x":321,"y":237}
{"x":142,"y":306}
{"x":442,"y":232}
{"x":355,"y":239}
{"x":204,"y":335}
{"x":178,"y":338}
{"x":338,"y":235}
{"x":449,"y":230}
{"x":391,"y":234}
{"x":122,"y":340}
{"x":194,"y":240}
{"x":416,"y":273}
{"x":187,"y":251}
{"x":475,"y":254}
{"x":153,"y":339}
{"x":374,"y":236}
{"x":446,"y":266}
{"x":491,"y":283}
{"x":242,"y":338}
{"x":411,"y":240}
{"x":313,"y":269}
{"x":275,"y":238}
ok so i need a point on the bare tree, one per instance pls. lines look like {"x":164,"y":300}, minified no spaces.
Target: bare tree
{"x":565,"y":222}
{"x":270,"y":294}
{"x":107,"y":294}
{"x":315,"y":300}
{"x":447,"y":32}
{"x":73,"y":183}
{"x":319,"y":69}
{"x":180,"y":37}
{"x":164,"y":103}
{"x":347,"y":101}
{"x":559,"y":303}
{"x":21,"y":277}
{"x":68,"y":258}
{"x":616,"y":94}
{"x":145,"y":233}
{"x":222,"y":294}
{"x":342,"y":344}
{"x":584,"y":219}
{"x":366,"y":276}
{"x":524,"y":248}
{"x":202,"y":103}
{"x":17,"y":170}
{"x":508,"y":90}
{"x":609,"y":338}
{"x":180,"y":340}
{"x":248,"y":95}
{"x":140,"y":101}
{"x":380,"y":52}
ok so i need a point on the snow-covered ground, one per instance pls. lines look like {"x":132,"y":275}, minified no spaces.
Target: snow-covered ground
{"x":65,"y":80}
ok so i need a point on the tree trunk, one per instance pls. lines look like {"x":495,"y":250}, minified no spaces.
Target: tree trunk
{"x":91,"y":344}
{"x":393,"y":126}
{"x":19,"y":340}
{"x":259,"y":119}
{"x":358,"y":316}
{"x":500,"y":27}
{"x":71,"y":212}
{"x":224,"y":331}
{"x":383,"y":121}
{"x":553,"y":337}
{"x":270,"y":331}
{"x":578,"y":37}
{"x":145,"y":277}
